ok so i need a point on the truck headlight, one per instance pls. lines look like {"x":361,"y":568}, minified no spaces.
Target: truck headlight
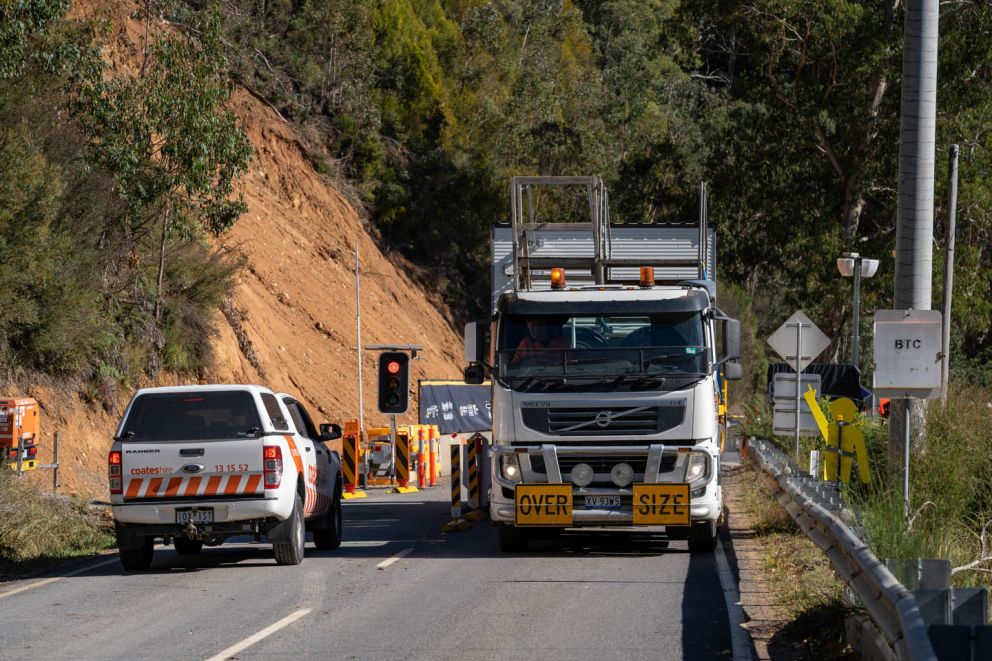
{"x":697,"y":466}
{"x":510,"y":468}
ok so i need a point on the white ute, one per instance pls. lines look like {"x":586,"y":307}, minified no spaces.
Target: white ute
{"x":198,"y":464}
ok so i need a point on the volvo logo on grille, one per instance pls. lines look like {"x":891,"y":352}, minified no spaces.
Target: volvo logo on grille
{"x":603,"y":418}
{"x":192,"y":468}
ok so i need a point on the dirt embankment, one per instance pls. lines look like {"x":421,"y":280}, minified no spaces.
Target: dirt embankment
{"x":290,"y":323}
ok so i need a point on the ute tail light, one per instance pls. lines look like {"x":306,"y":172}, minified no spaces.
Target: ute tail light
{"x":114,"y":473}
{"x":272,"y":466}
{"x":32,"y":452}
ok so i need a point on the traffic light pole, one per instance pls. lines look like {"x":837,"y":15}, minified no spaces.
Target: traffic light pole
{"x":392,"y":442}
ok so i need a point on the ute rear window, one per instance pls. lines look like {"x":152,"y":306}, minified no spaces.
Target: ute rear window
{"x":202,"y":416}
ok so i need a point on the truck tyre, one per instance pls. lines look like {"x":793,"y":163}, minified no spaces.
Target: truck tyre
{"x":136,"y":552}
{"x":328,"y":536}
{"x":290,"y":552}
{"x":702,"y":537}
{"x":187,"y":546}
{"x":511,"y":538}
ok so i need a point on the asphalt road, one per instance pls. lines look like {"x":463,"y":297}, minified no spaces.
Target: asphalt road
{"x":397,"y":589}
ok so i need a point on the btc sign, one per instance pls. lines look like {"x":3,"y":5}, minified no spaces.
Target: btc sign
{"x":907,"y":353}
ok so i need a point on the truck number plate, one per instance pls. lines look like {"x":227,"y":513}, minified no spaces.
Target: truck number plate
{"x":661,"y":504}
{"x":543,"y":505}
{"x":603,"y":502}
{"x":195,"y":516}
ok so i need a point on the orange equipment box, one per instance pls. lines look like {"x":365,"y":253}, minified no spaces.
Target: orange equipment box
{"x":20,"y":430}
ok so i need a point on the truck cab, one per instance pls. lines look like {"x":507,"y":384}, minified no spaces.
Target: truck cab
{"x":606,"y":392}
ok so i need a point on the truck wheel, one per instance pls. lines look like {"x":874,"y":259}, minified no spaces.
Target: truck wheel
{"x":702,"y":537}
{"x":291,"y":552}
{"x":511,"y":538}
{"x":138,"y":556}
{"x":187,"y":546}
{"x":328,"y":537}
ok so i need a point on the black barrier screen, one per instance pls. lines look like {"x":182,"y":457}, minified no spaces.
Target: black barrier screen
{"x":455,"y":406}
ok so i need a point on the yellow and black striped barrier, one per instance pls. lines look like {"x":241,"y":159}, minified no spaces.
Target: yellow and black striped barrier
{"x":349,"y":460}
{"x":403,"y":463}
{"x":472,"y":450}
{"x":456,"y":480}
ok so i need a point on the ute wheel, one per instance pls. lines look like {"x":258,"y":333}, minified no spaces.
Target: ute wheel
{"x":328,"y":537}
{"x":187,"y":546}
{"x":702,"y":537}
{"x":138,"y":556}
{"x":291,"y":552}
{"x":511,"y":538}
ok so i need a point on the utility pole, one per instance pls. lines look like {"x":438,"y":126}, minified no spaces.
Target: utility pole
{"x":358,"y":321}
{"x":914,"y":212}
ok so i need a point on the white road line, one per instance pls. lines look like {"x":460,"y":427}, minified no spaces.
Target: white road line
{"x":264,"y":633}
{"x":48,"y":581}
{"x":401,"y":554}
{"x":740,"y":639}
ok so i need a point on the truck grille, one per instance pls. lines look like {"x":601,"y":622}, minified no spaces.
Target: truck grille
{"x":626,"y":421}
{"x":602,"y":464}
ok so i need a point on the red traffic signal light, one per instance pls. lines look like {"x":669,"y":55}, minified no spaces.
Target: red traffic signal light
{"x":394,"y":382}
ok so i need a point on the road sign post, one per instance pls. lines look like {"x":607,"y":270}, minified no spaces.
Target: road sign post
{"x":809,"y":343}
{"x":907,"y":366}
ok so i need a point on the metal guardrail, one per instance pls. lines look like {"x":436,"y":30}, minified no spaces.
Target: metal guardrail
{"x":817,"y":507}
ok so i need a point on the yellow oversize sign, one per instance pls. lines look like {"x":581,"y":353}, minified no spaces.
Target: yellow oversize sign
{"x":661,"y":504}
{"x":543,"y":505}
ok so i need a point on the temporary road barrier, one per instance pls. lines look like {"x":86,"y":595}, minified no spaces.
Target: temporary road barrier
{"x":421,"y":459}
{"x":434,"y":443}
{"x":350,"y":444}
{"x":456,"y":480}
{"x":472,"y":449}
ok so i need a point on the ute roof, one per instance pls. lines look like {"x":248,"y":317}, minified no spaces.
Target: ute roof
{"x":205,"y":388}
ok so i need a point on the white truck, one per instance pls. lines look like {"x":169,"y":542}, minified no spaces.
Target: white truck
{"x":195,"y":465}
{"x":607,"y":354}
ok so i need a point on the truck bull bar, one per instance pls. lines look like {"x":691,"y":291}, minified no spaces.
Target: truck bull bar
{"x":663,"y":464}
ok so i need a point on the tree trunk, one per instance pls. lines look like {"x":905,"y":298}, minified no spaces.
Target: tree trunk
{"x":161,"y":266}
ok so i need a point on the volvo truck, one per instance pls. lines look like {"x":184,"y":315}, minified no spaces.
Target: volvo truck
{"x":607,"y":355}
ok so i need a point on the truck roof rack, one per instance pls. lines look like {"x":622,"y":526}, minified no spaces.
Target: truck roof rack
{"x":599,"y":268}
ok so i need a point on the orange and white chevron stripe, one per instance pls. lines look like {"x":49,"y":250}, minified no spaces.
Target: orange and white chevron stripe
{"x":235,"y":484}
{"x":315,"y":501}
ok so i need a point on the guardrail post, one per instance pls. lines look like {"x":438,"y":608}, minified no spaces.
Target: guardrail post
{"x":55,"y":466}
{"x":456,"y":480}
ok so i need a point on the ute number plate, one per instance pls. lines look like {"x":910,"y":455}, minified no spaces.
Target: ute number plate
{"x":603,"y":502}
{"x":195,"y":516}
{"x":661,"y":504}
{"x":542,"y":505}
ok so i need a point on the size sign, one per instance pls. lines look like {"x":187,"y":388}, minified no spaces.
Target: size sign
{"x":907,"y":353}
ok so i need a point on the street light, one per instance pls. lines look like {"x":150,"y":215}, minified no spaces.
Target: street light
{"x":851,"y":264}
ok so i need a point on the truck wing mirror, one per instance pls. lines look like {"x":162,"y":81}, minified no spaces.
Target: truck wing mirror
{"x":477,"y":342}
{"x":731,"y":339}
{"x":732,"y":371}
{"x":329,"y":431}
{"x":475,"y":374}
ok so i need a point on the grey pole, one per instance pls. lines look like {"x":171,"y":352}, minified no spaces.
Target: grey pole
{"x":952,"y":212}
{"x":799,"y":390}
{"x":358,"y":321}
{"x":905,"y":459}
{"x":914,"y":209}
{"x":55,"y":467}
{"x":392,"y":443}
{"x":856,"y":312}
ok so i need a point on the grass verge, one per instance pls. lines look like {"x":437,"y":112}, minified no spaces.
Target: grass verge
{"x":802,"y":582}
{"x":37,"y":528}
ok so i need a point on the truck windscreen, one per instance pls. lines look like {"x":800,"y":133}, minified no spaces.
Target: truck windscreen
{"x":665,"y":351}
{"x":199,"y":416}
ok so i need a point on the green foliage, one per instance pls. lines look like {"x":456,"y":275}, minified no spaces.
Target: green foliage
{"x":22,"y":25}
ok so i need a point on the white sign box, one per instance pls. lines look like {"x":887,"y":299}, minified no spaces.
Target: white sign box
{"x":907,"y":353}
{"x":784,"y":398}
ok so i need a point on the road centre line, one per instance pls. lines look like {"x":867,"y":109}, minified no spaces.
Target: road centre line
{"x":48,"y":581}
{"x":264,"y":633}
{"x":395,"y":558}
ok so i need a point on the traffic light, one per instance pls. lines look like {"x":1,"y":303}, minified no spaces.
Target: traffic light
{"x":394,"y":382}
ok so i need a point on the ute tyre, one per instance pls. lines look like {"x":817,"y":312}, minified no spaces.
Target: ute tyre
{"x":511,"y":538}
{"x":291,"y":552}
{"x":328,"y":537}
{"x":187,"y":546}
{"x":702,"y":537}
{"x":139,"y":556}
